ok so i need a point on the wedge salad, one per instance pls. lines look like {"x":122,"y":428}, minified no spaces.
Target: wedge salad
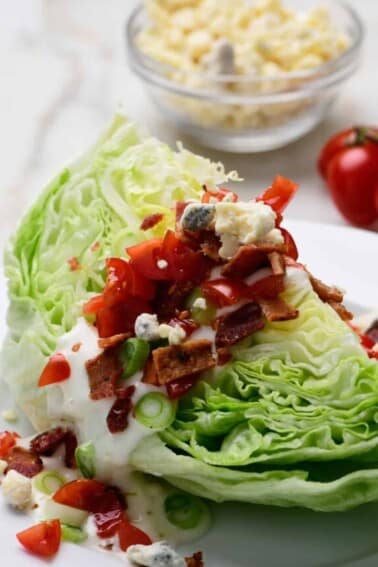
{"x":170,"y":349}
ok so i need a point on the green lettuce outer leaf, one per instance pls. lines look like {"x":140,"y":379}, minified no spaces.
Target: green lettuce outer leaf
{"x":299,"y":398}
{"x":90,"y":211}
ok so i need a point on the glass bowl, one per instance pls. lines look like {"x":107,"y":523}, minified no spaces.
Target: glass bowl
{"x":248,"y":113}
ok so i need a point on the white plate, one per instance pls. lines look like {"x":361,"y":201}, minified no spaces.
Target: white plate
{"x":257,"y":536}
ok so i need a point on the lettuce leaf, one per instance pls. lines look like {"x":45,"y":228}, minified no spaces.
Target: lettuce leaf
{"x":90,"y":211}
{"x":299,"y":402}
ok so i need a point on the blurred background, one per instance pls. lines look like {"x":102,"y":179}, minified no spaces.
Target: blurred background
{"x":63,"y":67}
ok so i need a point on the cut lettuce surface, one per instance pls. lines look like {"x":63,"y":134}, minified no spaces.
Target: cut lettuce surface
{"x":293,"y":420}
{"x":90,"y":211}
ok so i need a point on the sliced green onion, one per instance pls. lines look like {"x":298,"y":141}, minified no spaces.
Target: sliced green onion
{"x":85,"y":459}
{"x":49,"y":482}
{"x":200,"y":316}
{"x":184,"y":510}
{"x":155,"y":410}
{"x":73,"y":534}
{"x":134,"y":353}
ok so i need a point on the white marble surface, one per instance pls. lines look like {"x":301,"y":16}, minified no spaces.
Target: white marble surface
{"x":63,"y":69}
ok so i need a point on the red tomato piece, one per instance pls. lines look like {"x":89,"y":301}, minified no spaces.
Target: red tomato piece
{"x":151,"y":220}
{"x":279,"y":194}
{"x":183,"y":262}
{"x":291,"y":247}
{"x":219,"y":195}
{"x":84,"y":494}
{"x":8,"y":440}
{"x":180,"y":208}
{"x":145,"y":256}
{"x":349,"y":164}
{"x":177,"y":388}
{"x":131,"y":535}
{"x":42,"y":539}
{"x":56,"y":370}
{"x":367,"y":342}
{"x":223,"y":292}
{"x":267,"y":288}
{"x":93,"y":305}
{"x":123,"y":281}
{"x":120,"y":318}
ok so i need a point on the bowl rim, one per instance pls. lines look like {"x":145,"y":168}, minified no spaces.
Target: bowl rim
{"x":326,"y":75}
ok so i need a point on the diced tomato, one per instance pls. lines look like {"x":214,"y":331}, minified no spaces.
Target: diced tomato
{"x":188,"y":325}
{"x":151,"y":220}
{"x":145,"y":256}
{"x":42,"y":539}
{"x":222,"y":292}
{"x":291,"y":247}
{"x":219,"y":195}
{"x":56,"y":370}
{"x":123,"y":281}
{"x":177,"y":388}
{"x":8,"y":440}
{"x":120,"y":318}
{"x":266,"y":288}
{"x":93,"y":305}
{"x":131,"y":535}
{"x":182,"y":262}
{"x":279,"y":194}
{"x":97,"y":498}
{"x":84,"y":494}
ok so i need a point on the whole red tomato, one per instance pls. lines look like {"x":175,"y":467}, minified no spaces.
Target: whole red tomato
{"x":349,"y":164}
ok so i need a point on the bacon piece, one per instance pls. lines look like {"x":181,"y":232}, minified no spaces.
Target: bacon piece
{"x":238,"y":324}
{"x":372,"y":331}
{"x":171,"y":297}
{"x":278,"y":310}
{"x":195,"y":561}
{"x":149,"y":373}
{"x":76,"y":347}
{"x":103,"y":373}
{"x":341,"y":310}
{"x":277,"y":261}
{"x":70,"y":444}
{"x":224,"y":356}
{"x":74,"y":264}
{"x":325,"y":292}
{"x":108,"y":342}
{"x":46,"y":443}
{"x":176,"y":361}
{"x":151,"y":220}
{"x":117,"y":418}
{"x":24,"y":462}
{"x":250,"y":258}
{"x":210,"y":245}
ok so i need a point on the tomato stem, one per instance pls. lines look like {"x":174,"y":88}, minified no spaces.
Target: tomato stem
{"x":362,"y":135}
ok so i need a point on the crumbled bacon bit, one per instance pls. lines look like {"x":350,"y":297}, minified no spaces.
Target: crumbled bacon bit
{"x":113,"y":341}
{"x":117,"y":419}
{"x":250,"y":258}
{"x":210,"y":245}
{"x":24,"y":462}
{"x":326,"y":292}
{"x":74,"y":264}
{"x":103,"y":373}
{"x":151,"y":220}
{"x":149,"y":373}
{"x":176,"y":361}
{"x":170,"y":298}
{"x":195,"y":561}
{"x":224,"y":356}
{"x":237,"y":325}
{"x":76,"y":347}
{"x":46,"y":443}
{"x":278,"y":310}
{"x":341,"y":310}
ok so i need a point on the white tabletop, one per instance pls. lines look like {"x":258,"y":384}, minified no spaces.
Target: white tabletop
{"x":63,"y":71}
